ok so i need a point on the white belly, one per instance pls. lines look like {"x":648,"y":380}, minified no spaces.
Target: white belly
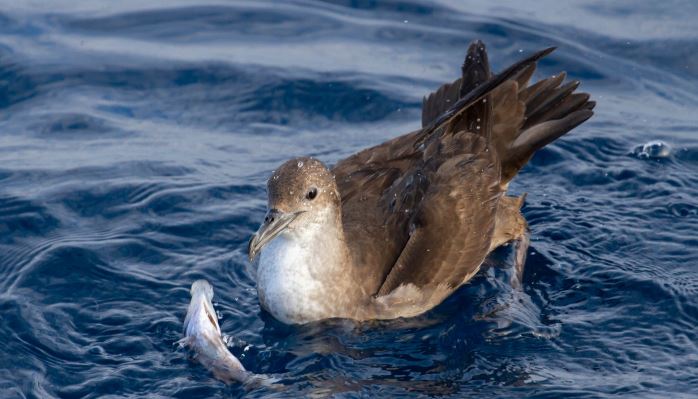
{"x":289,"y":282}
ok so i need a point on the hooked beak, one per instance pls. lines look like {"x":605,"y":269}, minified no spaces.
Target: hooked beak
{"x":274,"y":224}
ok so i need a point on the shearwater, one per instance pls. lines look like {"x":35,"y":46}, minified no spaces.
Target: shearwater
{"x":393,"y":230}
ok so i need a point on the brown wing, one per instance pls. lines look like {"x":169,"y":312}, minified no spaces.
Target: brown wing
{"x":383,"y":188}
{"x":440,"y":101}
{"x":451,"y":231}
{"x":527,"y":118}
{"x":475,"y":71}
{"x":394,"y":205}
{"x":379,"y":188}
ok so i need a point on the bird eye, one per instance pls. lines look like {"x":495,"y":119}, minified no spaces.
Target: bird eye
{"x":312,"y":193}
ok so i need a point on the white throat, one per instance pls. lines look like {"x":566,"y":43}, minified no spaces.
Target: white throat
{"x":299,"y":270}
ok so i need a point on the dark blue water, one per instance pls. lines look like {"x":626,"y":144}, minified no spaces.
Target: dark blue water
{"x":136,"y":138}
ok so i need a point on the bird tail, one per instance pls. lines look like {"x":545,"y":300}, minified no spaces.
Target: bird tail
{"x":517,"y":118}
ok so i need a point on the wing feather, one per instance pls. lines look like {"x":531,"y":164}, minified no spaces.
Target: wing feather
{"x":421,"y":209}
{"x":452,"y":229}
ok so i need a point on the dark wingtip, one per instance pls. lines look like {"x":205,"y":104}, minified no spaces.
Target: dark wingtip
{"x":539,"y":54}
{"x":475,"y":69}
{"x":580,"y":116}
{"x":548,"y":50}
{"x":476,"y":45}
{"x":476,"y":50}
{"x":481,"y":90}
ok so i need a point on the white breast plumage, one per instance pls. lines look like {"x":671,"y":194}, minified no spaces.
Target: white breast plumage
{"x":289,"y":278}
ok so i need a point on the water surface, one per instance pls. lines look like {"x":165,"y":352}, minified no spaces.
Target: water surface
{"x":136,"y":138}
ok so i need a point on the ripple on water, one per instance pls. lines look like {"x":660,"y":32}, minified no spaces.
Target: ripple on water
{"x":21,"y":218}
{"x":136,"y":143}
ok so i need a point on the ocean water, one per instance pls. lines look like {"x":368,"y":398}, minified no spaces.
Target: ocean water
{"x":136,"y":138}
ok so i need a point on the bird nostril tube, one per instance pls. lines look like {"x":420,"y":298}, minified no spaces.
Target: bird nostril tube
{"x":270,"y":216}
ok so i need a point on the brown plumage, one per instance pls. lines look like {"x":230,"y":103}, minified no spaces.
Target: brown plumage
{"x":421,"y":212}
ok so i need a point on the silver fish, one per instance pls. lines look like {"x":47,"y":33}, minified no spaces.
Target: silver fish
{"x":202,"y":335}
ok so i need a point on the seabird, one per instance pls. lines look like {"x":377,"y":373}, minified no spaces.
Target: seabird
{"x":393,"y":230}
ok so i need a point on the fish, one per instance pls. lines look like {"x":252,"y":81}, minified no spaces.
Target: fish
{"x":202,"y":335}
